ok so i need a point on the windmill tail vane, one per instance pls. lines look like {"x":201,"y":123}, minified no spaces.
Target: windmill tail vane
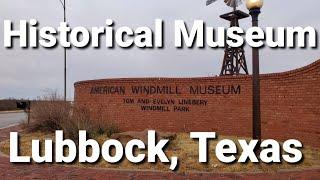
{"x":232,"y":3}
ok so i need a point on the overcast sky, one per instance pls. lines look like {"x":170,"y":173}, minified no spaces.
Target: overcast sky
{"x":27,"y":73}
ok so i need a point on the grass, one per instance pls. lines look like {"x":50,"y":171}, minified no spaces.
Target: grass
{"x":185,"y":149}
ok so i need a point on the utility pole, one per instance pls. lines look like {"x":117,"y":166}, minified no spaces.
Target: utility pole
{"x":63,"y":3}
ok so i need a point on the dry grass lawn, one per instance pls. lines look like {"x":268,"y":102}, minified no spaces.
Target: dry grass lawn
{"x":186,"y":150}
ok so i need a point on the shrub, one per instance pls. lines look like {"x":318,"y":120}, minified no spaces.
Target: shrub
{"x":80,"y":120}
{"x":48,"y":113}
{"x":102,"y":127}
{"x":51,"y":113}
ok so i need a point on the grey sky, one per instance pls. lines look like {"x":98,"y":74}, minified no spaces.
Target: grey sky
{"x":26,"y":73}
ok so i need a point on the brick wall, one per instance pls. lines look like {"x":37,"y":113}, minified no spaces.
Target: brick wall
{"x":290,"y":104}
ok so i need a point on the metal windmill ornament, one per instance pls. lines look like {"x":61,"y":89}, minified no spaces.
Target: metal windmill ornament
{"x":232,"y":3}
{"x":234,"y":61}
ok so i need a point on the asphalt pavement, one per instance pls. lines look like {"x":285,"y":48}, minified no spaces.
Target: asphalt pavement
{"x":8,"y":119}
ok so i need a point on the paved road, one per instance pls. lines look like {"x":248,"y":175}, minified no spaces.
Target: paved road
{"x":9,"y":119}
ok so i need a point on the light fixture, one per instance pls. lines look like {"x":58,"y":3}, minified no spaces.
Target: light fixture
{"x":254,"y":4}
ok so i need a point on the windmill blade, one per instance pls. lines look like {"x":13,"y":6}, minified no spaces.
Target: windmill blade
{"x":238,"y":2}
{"x":210,"y":2}
{"x":228,"y":2}
{"x":233,"y":3}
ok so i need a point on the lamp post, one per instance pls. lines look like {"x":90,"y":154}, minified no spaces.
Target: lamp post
{"x":63,"y":3}
{"x":254,"y":7}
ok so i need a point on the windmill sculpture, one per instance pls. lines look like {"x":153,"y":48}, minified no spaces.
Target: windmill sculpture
{"x":234,"y":61}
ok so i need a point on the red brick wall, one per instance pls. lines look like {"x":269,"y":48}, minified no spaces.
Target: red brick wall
{"x":290,"y":105}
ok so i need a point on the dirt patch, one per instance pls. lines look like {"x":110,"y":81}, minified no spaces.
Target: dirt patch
{"x":184,"y":148}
